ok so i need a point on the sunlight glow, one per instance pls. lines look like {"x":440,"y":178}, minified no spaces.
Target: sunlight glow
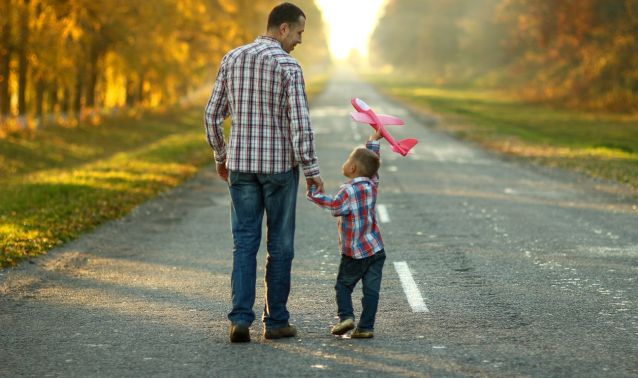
{"x":350,"y":24}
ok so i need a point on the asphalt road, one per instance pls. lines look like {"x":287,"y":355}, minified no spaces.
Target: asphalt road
{"x":523,"y":271}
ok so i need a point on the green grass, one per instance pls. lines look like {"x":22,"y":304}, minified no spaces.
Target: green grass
{"x":602,"y":145}
{"x":59,"y":183}
{"x":56,"y":183}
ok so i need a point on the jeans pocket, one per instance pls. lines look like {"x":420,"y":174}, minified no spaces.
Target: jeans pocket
{"x":280,"y":179}
{"x":232,"y":177}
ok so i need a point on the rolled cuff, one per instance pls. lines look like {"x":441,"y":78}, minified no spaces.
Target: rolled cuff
{"x":220,"y":158}
{"x":373,"y":145}
{"x":311,"y":170}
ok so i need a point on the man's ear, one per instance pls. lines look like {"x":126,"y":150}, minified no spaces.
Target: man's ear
{"x":284,"y":28}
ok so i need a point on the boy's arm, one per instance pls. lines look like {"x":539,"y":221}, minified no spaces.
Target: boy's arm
{"x":374,"y":146}
{"x":338,"y":206}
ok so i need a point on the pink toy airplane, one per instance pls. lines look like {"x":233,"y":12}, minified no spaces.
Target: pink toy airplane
{"x":365,"y":114}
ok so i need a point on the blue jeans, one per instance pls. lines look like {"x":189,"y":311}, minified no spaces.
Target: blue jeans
{"x":252,"y":194}
{"x":369,"y":271}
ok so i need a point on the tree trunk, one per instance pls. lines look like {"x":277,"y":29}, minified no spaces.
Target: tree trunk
{"x":53,"y":97}
{"x":140,"y":90}
{"x":6,"y":50}
{"x":66,"y":100}
{"x":39,"y":98}
{"x":93,"y":71}
{"x":130,"y":92}
{"x":22,"y":59}
{"x":79,"y":85}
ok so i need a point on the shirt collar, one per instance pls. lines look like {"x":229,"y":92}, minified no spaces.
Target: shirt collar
{"x":359,"y":179}
{"x":268,"y":40}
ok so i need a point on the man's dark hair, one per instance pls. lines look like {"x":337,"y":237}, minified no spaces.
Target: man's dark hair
{"x":284,"y":13}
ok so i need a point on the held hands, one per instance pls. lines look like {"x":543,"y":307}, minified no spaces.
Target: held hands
{"x":314,"y":184}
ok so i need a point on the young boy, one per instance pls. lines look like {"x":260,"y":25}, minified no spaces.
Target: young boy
{"x":362,"y":253}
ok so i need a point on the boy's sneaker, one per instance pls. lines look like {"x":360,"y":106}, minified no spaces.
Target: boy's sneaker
{"x":239,"y":333}
{"x":277,"y":333}
{"x":342,"y":327}
{"x":362,"y":334}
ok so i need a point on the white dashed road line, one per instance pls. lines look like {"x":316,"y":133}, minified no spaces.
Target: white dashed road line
{"x":382,"y":211}
{"x":409,"y":287}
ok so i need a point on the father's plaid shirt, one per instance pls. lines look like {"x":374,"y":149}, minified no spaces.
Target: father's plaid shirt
{"x":359,"y":235}
{"x":262,"y":88}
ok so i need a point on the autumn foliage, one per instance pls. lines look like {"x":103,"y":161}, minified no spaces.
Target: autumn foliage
{"x":578,"y":53}
{"x":69,"y":57}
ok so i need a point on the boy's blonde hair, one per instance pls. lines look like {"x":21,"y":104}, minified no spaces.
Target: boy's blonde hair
{"x":367,"y":161}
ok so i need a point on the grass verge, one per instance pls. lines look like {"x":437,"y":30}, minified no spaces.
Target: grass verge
{"x":62,"y":182}
{"x":59,"y":182}
{"x":601,"y":145}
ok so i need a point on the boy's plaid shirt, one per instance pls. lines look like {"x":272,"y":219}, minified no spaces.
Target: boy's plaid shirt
{"x":262,"y":88}
{"x":354,"y":204}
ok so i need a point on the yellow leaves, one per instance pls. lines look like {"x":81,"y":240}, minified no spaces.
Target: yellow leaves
{"x":228,"y":6}
{"x":11,"y":229}
{"x":111,"y":53}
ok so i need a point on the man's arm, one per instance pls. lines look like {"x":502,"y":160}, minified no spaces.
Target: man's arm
{"x":214,"y":115}
{"x":301,"y":130}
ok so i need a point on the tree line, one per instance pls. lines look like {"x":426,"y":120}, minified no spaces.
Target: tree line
{"x":581,"y":53}
{"x":66,"y":56}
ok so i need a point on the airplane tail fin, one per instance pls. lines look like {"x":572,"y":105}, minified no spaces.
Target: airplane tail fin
{"x":404,"y":146}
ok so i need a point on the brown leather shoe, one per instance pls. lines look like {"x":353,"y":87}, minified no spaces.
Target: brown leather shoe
{"x":239,"y":333}
{"x":342,"y":327}
{"x":277,"y":333}
{"x":359,"y":333}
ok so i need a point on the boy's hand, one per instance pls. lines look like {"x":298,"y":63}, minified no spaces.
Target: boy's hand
{"x":312,"y":190}
{"x":377,"y":134}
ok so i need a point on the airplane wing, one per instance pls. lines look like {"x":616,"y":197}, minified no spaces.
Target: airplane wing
{"x":361,"y":117}
{"x":385,"y":119}
{"x":390,"y":120}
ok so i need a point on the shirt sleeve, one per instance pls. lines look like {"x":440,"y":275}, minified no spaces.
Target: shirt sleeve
{"x":215,"y":113}
{"x":374,"y":146}
{"x":300,"y":127}
{"x":338,"y":206}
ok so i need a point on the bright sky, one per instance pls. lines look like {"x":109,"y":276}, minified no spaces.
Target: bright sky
{"x":350,"y":24}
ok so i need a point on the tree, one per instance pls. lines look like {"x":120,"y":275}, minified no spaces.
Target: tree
{"x":581,"y":53}
{"x":71,"y":55}
{"x":6,"y":53}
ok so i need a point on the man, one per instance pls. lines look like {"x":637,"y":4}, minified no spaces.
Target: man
{"x":261,"y":87}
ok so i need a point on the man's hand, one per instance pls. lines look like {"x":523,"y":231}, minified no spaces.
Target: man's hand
{"x":222,"y":171}
{"x":317,"y":182}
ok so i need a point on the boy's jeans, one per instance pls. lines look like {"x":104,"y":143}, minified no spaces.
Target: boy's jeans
{"x":369,"y":270}
{"x":251,"y":195}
